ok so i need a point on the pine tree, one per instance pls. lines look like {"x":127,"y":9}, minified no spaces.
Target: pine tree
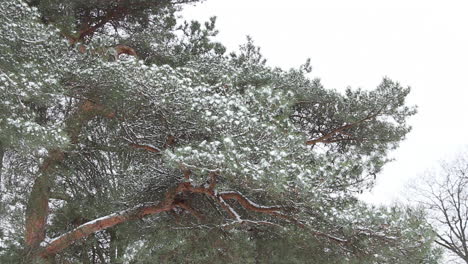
{"x":130,"y":138}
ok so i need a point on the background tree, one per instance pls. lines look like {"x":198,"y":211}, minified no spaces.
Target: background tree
{"x":445,"y":196}
{"x":219,"y":157}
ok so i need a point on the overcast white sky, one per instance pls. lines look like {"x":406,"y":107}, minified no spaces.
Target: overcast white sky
{"x":420,"y":43}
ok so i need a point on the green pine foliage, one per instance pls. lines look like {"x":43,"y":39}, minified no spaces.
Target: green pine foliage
{"x":273,"y":136}
{"x":30,"y":79}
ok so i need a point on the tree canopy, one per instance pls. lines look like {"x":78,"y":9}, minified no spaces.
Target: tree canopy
{"x":128,"y":136}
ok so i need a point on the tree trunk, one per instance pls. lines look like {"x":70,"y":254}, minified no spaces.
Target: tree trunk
{"x":37,"y":209}
{"x":36,"y":215}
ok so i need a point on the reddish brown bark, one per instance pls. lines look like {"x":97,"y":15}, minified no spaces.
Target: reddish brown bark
{"x":87,"y":110}
{"x":145,"y":147}
{"x":37,"y":208}
{"x":38,"y":203}
{"x":36,"y":213}
{"x":91,"y":108}
{"x":249,"y":205}
{"x":119,"y":49}
{"x":91,"y":227}
{"x":122,"y":49}
{"x":116,"y":13}
{"x":328,"y":138}
{"x":62,"y":242}
{"x":88,"y":30}
{"x":170,"y":140}
{"x":189,"y":209}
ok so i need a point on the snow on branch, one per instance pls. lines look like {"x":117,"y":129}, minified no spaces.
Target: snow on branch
{"x":328,"y":138}
{"x":147,"y":147}
{"x":248,"y":204}
{"x":61,"y":242}
{"x":170,"y":202}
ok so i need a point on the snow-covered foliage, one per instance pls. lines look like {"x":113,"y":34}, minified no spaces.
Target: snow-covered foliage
{"x":108,"y":135}
{"x":33,"y":58}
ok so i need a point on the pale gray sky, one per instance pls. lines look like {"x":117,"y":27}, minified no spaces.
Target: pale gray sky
{"x":420,"y":43}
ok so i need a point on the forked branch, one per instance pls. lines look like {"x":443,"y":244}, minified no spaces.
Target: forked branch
{"x":170,"y":202}
{"x":328,"y":138}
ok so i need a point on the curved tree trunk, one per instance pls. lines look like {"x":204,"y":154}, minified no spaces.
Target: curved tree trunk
{"x":37,"y":209}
